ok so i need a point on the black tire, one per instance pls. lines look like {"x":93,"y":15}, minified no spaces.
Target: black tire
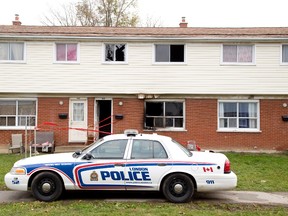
{"x":47,"y":187}
{"x":178,"y":188}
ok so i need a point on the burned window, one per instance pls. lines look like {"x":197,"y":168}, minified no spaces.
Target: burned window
{"x":169,"y":53}
{"x":164,"y":114}
{"x":115,"y":52}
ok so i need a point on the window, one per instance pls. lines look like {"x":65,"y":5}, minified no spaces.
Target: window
{"x":169,"y":53}
{"x":15,"y":113}
{"x":238,"y":54}
{"x":164,"y":114}
{"x":113,"y":149}
{"x":11,"y":51}
{"x":66,"y":52}
{"x":238,"y":115}
{"x":285,"y":54}
{"x":115,"y":52}
{"x":147,"y":149}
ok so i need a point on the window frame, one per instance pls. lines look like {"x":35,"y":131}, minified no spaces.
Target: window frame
{"x":114,"y":62}
{"x":169,"y":62}
{"x":146,"y":128}
{"x":17,"y":127}
{"x":66,"y":61}
{"x":238,"y":129}
{"x":15,"y":61}
{"x":142,"y":157}
{"x":123,"y":156}
{"x":281,"y":55}
{"x":237,"y":62}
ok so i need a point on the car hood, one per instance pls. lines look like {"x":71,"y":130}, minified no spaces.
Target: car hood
{"x":42,"y":159}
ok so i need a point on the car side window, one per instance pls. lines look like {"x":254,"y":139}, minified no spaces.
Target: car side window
{"x":113,"y":149}
{"x":147,"y":149}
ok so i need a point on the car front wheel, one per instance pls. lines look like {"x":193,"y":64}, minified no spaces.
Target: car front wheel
{"x":47,"y":186}
{"x":178,"y":188}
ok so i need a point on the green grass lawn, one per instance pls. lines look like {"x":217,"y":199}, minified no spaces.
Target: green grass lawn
{"x":256,"y":172}
{"x":260,"y":172}
{"x":77,"y":208}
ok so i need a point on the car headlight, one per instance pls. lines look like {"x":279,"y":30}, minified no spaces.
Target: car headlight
{"x":18,"y":171}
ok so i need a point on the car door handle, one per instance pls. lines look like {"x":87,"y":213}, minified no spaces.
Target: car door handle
{"x":161,"y":164}
{"x":119,"y":165}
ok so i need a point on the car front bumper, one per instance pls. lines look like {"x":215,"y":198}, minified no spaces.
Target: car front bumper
{"x":16,"y":182}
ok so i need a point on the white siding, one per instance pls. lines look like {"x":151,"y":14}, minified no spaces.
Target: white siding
{"x":203,"y":73}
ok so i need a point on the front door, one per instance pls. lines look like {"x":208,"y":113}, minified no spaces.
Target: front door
{"x":78,"y":120}
{"x":103,"y":117}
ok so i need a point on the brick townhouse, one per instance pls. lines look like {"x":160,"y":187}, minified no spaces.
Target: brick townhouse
{"x":224,"y":88}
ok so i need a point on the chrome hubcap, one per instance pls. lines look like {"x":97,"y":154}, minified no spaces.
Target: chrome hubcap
{"x":178,"y":188}
{"x":46,"y":187}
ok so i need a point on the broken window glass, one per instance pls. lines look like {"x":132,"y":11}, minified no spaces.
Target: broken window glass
{"x":115,"y":52}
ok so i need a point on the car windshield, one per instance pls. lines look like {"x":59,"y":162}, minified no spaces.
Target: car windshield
{"x":86,"y":149}
{"x":185,"y":150}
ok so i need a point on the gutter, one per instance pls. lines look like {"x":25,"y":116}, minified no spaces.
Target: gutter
{"x":192,"y":39}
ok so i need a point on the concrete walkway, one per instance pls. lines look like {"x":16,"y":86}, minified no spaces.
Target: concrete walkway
{"x":244,"y":197}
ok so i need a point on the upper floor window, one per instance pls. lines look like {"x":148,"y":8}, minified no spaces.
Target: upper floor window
{"x":164,"y":114}
{"x":285,"y":54}
{"x":238,"y":115}
{"x":169,"y":53}
{"x":66,"y":52}
{"x":115,"y":52}
{"x":16,"y":113}
{"x":238,"y":54}
{"x":11,"y":51}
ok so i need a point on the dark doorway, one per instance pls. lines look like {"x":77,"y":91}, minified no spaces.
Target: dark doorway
{"x":104,"y":117}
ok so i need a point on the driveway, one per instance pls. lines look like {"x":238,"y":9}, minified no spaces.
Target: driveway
{"x":248,"y":197}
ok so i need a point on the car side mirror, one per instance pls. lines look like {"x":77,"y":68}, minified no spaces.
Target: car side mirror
{"x":88,"y":156}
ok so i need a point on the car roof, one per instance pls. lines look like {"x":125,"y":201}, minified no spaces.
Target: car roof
{"x":153,"y":136}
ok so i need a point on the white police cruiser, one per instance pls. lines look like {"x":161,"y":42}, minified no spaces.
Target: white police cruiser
{"x":128,"y":161}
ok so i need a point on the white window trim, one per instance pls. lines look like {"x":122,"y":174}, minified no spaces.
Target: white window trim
{"x":16,"y":61}
{"x":253,"y":63}
{"x":281,"y":55}
{"x":169,"y":128}
{"x":255,"y":130}
{"x":169,"y":63}
{"x":21,"y":127}
{"x":114,"y":62}
{"x":66,"y":62}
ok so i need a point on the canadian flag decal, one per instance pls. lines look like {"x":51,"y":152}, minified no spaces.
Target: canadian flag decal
{"x":207,"y":169}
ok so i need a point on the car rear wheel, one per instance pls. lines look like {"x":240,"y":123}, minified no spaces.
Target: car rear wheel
{"x":178,"y":188}
{"x":47,"y":186}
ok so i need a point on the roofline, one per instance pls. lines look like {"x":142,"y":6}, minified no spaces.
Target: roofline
{"x":216,"y":39}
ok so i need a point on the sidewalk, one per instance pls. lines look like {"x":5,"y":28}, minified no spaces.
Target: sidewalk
{"x":243,"y":197}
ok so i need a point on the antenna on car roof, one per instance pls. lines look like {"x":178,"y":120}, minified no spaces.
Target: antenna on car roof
{"x":131,"y":132}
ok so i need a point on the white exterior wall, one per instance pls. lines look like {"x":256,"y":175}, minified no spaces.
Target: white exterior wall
{"x":201,"y":74}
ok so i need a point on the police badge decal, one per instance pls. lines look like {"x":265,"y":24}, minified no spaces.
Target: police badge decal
{"x":94,"y":176}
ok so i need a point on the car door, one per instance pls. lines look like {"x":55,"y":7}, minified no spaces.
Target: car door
{"x":106,"y":167}
{"x":147,"y":165}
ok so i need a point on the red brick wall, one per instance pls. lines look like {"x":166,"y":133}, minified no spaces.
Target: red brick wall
{"x":132,"y":111}
{"x":201,"y":123}
{"x":48,"y":110}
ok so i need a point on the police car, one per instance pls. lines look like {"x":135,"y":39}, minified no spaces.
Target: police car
{"x":129,"y":161}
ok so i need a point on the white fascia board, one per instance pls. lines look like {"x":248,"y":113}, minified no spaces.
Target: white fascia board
{"x":251,"y":39}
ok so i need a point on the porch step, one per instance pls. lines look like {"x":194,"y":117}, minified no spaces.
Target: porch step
{"x":68,"y":148}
